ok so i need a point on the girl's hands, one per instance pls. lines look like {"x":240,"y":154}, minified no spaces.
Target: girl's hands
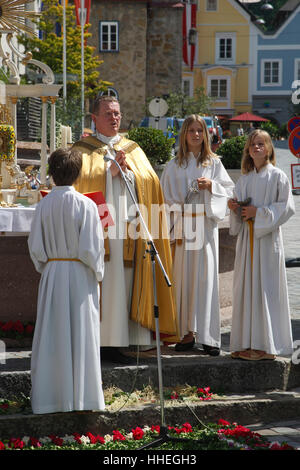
{"x":248,"y":212}
{"x":204,"y":183}
{"x":233,"y":205}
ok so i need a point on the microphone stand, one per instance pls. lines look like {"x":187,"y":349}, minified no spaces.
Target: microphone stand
{"x":163,"y":434}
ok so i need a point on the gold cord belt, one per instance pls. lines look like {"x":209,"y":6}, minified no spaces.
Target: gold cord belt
{"x":251,"y":225}
{"x":193,"y":214}
{"x":64,"y":259}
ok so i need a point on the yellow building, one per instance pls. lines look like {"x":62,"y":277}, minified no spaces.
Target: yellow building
{"x":223,"y":55}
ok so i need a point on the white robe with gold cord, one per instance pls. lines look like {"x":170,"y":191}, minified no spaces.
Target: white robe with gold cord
{"x":195,"y":271}
{"x":260,"y":314}
{"x":65,"y":363}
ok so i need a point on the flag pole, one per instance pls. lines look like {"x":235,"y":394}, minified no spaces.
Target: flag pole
{"x":64,"y":54}
{"x":82,"y":22}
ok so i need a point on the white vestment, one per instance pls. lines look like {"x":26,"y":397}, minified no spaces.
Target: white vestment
{"x":261,"y":317}
{"x":117,"y":329}
{"x":65,"y":363}
{"x":195,"y":269}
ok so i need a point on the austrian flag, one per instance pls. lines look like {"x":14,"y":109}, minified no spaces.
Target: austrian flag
{"x":189,"y":22}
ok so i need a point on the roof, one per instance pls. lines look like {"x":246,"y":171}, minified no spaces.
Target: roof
{"x":290,"y":5}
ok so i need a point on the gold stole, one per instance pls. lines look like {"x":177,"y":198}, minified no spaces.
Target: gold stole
{"x":93,"y":178}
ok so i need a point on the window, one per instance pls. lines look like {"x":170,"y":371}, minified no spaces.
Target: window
{"x":225,"y":47}
{"x":211,"y":5}
{"x":271,"y":72}
{"x":109,"y":36}
{"x":218,"y":88}
{"x":187,"y":86}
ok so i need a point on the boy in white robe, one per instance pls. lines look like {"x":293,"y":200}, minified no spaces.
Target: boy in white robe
{"x":66,"y":246}
{"x":261,"y":325}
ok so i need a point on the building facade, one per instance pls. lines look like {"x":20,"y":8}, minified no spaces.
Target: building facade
{"x":223,"y":56}
{"x":276,"y":69}
{"x":140,"y":42}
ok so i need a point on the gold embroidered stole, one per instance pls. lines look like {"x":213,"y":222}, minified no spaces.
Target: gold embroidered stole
{"x":149,"y":192}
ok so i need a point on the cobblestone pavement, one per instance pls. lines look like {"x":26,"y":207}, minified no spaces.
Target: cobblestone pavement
{"x":281,"y":432}
{"x":288,"y":431}
{"x":291,"y":231}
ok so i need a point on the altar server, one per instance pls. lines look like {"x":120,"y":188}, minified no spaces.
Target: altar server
{"x":261,"y":325}
{"x":66,"y":246}
{"x":197,"y":181}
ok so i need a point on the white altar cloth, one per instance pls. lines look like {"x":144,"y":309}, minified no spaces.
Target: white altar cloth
{"x":16,"y":219}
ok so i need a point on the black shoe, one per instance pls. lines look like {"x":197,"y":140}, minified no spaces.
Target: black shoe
{"x":179,"y":347}
{"x":211,"y":350}
{"x":112,"y":354}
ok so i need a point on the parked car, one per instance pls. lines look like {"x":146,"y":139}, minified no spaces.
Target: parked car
{"x":169,"y":125}
{"x":214,"y":128}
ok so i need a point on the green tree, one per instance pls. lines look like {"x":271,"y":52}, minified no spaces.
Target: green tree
{"x":271,"y":17}
{"x":181,"y":105}
{"x":49,"y":49}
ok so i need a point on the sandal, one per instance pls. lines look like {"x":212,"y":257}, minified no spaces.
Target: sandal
{"x":235,"y":354}
{"x":252,"y":355}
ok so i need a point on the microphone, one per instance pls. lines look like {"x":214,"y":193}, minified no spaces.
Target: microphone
{"x":150,"y":242}
{"x":107,"y":158}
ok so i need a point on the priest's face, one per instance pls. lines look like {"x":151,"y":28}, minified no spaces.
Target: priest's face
{"x":194,"y":137}
{"x":108,"y":118}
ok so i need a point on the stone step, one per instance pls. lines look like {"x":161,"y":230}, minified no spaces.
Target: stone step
{"x":245,"y":409}
{"x":222,"y":374}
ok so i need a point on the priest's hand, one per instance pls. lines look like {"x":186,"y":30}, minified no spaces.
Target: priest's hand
{"x":248,"y":212}
{"x":204,"y":183}
{"x":121,"y":159}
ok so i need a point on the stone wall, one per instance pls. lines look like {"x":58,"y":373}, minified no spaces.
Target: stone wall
{"x":148,"y":62}
{"x":164,"y":49}
{"x":19,"y":281}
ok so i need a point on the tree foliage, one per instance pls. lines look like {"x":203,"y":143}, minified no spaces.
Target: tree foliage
{"x":49,"y":48}
{"x":181,"y":105}
{"x":271,"y":17}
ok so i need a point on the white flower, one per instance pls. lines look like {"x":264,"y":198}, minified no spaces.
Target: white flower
{"x":108,"y":438}
{"x":85,"y":440}
{"x":26,"y":439}
{"x":69,"y":439}
{"x":45,"y":440}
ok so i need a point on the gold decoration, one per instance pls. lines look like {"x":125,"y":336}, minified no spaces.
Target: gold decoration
{"x":13,"y":15}
{"x":5,"y":115}
{"x":7,"y":143}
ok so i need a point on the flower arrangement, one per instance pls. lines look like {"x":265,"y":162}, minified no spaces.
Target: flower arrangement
{"x":16,"y":329}
{"x":7,"y":143}
{"x":191,"y":393}
{"x":220,"y":436}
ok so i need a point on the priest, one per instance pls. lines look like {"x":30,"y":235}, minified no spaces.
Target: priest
{"x":127,"y":291}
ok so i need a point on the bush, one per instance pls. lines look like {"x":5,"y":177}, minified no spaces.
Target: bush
{"x":271,"y":128}
{"x":231,"y":152}
{"x":283,"y":131}
{"x":154,"y":143}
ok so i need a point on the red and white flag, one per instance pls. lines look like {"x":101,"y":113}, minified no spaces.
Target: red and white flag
{"x":189,"y":21}
{"x":86,"y":12}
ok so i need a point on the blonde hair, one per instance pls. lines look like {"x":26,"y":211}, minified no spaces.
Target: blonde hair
{"x":206,"y":153}
{"x":247,"y":163}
